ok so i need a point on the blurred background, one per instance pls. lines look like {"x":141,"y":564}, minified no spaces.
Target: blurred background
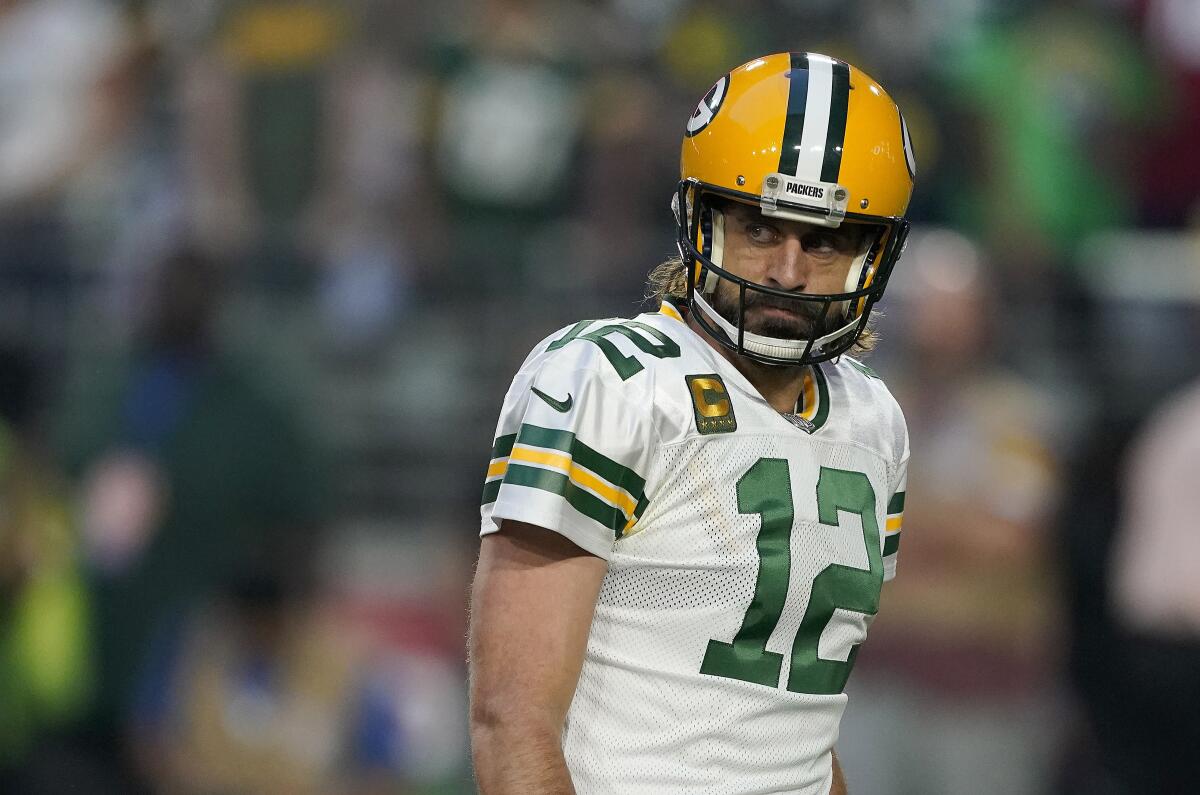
{"x":267,"y":267}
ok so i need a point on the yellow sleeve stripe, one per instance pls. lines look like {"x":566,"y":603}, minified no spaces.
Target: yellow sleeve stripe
{"x":497,"y":468}
{"x":894,"y":523}
{"x":578,"y":475}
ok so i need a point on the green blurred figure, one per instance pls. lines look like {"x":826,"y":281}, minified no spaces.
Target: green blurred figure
{"x":191,"y":470}
{"x":1061,"y":96}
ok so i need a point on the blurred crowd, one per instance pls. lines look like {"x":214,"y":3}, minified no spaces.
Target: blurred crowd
{"x":266,"y":267}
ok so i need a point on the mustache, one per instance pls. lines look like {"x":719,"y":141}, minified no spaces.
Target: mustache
{"x":805,"y":308}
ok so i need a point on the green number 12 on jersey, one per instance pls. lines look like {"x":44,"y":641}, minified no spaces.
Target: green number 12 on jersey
{"x":765,"y":490}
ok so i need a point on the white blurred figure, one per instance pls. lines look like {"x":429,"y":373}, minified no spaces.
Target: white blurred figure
{"x":60,"y":108}
{"x":1157,"y":551}
{"x":53,"y":56}
{"x":1142,"y":704}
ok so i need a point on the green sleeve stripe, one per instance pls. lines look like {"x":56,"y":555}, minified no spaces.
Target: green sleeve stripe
{"x":490,"y":491}
{"x":891,"y":544}
{"x":565,"y":441}
{"x":896,"y":503}
{"x":614,"y":473}
{"x":546,"y":437}
{"x":503,"y":445}
{"x":556,"y":483}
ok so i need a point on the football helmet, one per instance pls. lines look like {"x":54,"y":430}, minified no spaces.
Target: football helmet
{"x":803,"y":137}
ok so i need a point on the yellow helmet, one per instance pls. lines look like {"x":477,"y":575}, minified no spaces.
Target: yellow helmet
{"x":803,"y":137}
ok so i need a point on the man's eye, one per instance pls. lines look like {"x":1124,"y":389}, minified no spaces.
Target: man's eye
{"x":761,"y":233}
{"x":820,"y":243}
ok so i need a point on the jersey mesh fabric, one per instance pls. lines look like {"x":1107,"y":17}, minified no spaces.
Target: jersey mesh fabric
{"x":644,"y":719}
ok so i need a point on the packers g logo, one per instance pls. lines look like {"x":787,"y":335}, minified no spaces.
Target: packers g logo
{"x":710,"y":400}
{"x":708,"y":107}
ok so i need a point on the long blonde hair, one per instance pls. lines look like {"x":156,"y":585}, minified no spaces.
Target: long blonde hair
{"x":669,"y":279}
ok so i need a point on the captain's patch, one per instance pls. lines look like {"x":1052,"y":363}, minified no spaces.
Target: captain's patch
{"x":710,"y":400}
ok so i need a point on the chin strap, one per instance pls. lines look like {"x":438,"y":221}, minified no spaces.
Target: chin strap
{"x":770,"y":346}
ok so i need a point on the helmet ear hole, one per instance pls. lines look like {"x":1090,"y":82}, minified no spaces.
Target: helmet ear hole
{"x":862,"y":272}
{"x":710,"y":240}
{"x":706,"y":226}
{"x":872,"y":257}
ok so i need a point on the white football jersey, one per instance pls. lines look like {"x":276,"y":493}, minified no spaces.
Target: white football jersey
{"x":746,"y":549}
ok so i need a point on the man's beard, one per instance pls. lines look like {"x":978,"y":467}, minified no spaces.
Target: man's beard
{"x":798,"y":324}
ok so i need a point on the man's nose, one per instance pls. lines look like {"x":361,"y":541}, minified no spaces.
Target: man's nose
{"x":792,"y":268}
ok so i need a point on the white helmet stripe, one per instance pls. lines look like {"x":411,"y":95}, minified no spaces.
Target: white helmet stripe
{"x":816,"y":118}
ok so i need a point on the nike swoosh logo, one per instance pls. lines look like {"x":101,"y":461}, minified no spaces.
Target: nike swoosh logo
{"x":558,"y":405}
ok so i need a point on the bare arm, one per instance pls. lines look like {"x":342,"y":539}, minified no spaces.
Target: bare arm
{"x":839,"y":780}
{"x":531,"y":608}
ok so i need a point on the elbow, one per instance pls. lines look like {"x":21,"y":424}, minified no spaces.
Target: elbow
{"x":516,"y":749}
{"x":485,"y":717}
{"x":493,"y":721}
{"x":490,"y":719}
{"x":488,"y":710}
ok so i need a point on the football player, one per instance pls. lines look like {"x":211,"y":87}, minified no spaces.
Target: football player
{"x":688,"y":516}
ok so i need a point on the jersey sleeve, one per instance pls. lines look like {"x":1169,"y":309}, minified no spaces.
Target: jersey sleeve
{"x":571,"y":454}
{"x":895,"y":507}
